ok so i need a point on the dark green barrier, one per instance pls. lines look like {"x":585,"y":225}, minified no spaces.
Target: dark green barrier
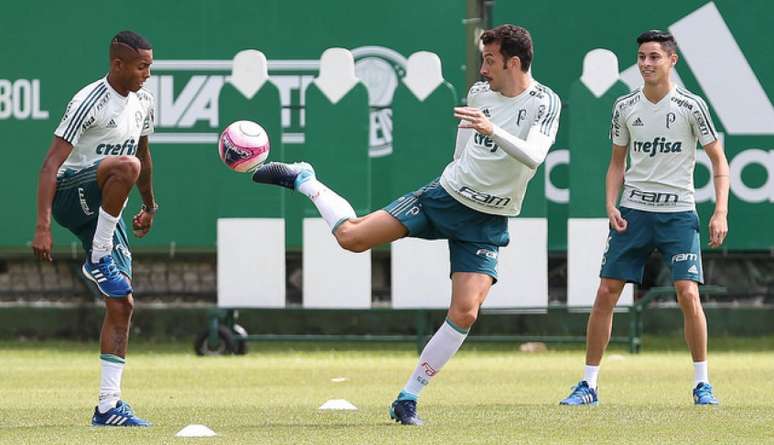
{"x":589,"y":146}
{"x":336,"y":145}
{"x":425,"y":135}
{"x":238,"y":195}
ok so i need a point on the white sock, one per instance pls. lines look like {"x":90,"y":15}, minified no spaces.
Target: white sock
{"x":590,"y":374}
{"x":700,"y":373}
{"x":110,"y":381}
{"x":102,"y":244}
{"x":333,"y":208}
{"x":446,"y":341}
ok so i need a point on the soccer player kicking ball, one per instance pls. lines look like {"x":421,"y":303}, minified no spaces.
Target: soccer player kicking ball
{"x":99,"y":152}
{"x":657,"y":126}
{"x":507,"y":128}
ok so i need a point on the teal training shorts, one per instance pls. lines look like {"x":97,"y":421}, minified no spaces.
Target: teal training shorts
{"x":474,"y":237}
{"x":674,"y":234}
{"x":76,"y":207}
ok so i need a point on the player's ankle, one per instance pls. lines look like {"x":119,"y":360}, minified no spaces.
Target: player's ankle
{"x":106,"y":405}
{"x":405,"y":395}
{"x":304,"y":177}
{"x":98,"y":252}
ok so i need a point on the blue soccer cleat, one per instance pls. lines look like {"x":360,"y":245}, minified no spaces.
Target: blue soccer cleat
{"x":702,"y":395}
{"x":405,"y":412}
{"x":121,"y":415}
{"x":106,"y":276}
{"x":582,"y":394}
{"x":285,"y":175}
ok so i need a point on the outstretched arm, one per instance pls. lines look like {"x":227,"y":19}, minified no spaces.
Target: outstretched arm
{"x":59,"y":151}
{"x":530,"y":152}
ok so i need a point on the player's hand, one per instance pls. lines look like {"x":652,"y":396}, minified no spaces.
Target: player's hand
{"x":141,"y":223}
{"x":617,"y":222}
{"x":718,"y":229}
{"x":41,"y":244}
{"x":475,"y":119}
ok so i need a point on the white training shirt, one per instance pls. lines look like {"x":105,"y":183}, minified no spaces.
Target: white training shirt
{"x":662,"y":148}
{"x":99,"y":122}
{"x":483,"y":176}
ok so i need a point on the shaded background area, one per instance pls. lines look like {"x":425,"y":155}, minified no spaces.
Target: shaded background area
{"x":175,"y":266}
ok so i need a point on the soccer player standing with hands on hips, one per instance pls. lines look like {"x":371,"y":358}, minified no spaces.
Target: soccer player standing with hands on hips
{"x":657,"y":126}
{"x":99,"y":152}
{"x":506,"y":131}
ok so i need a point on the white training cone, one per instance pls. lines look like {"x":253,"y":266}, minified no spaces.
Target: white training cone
{"x":338,"y":404}
{"x":195,"y":431}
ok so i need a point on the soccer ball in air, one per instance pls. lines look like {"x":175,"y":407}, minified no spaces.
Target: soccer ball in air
{"x":243,"y":146}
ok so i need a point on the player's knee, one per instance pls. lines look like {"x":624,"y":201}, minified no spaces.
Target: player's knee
{"x":350,"y":239}
{"x":464,"y":318}
{"x":128,"y":168}
{"x":689,"y":300}
{"x":607,"y":297}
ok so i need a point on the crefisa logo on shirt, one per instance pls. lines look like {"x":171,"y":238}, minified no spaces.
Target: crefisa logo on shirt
{"x":485,"y":141}
{"x":129,"y":147}
{"x":657,"y":145}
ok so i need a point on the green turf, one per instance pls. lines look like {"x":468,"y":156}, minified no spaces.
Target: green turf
{"x":487,"y":394}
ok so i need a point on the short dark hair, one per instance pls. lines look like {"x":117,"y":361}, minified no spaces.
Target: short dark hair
{"x":515,"y":41}
{"x":131,"y":39}
{"x":665,"y":38}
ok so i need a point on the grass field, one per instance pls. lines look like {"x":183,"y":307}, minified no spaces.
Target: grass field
{"x":487,"y":394}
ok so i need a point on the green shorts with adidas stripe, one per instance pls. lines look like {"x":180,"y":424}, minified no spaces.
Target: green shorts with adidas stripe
{"x":76,"y":207}
{"x":474,"y":237}
{"x":674,"y":234}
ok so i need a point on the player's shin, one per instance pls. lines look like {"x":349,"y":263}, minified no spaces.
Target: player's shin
{"x":333,"y":208}
{"x":700,"y":373}
{"x":112,"y":367}
{"x":102,"y":243}
{"x":590,"y":375}
{"x":444,"y":344}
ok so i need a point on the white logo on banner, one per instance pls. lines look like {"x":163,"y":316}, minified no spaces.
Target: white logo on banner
{"x":704,"y":38}
{"x":379,"y":68}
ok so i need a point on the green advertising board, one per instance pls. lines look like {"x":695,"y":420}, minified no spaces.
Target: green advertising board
{"x":48,"y":57}
{"x":722,"y":57}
